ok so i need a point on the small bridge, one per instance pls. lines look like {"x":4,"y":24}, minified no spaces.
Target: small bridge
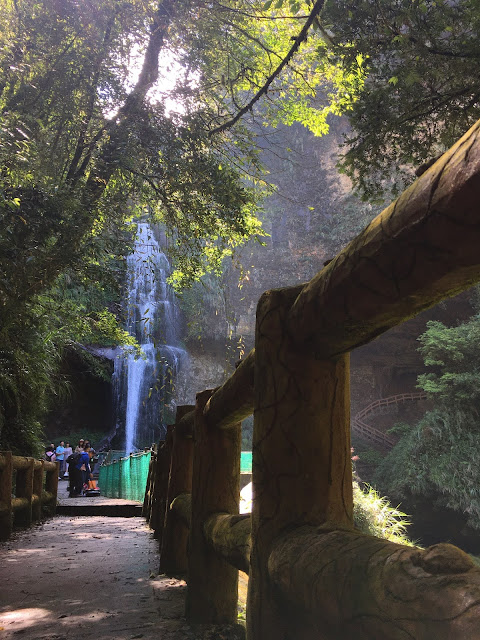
{"x":312,"y":576}
{"x":375,"y":436}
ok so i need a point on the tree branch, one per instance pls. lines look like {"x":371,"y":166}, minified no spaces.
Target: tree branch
{"x":318,"y":6}
{"x":118,"y":128}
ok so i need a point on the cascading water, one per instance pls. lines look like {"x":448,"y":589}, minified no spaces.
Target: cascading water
{"x":144,"y":386}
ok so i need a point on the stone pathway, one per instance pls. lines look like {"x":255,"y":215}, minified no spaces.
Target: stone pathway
{"x":92,"y":577}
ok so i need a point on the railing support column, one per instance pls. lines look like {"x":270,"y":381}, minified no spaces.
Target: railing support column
{"x":212,"y":582}
{"x":51,"y":486}
{"x":302,"y":472}
{"x":24,"y":489}
{"x":6,"y":516}
{"x":173,"y":557}
{"x":147,"y":500}
{"x":37,"y":490}
{"x":162,"y":472}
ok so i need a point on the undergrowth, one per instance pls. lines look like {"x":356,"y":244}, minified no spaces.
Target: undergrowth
{"x":374,"y":515}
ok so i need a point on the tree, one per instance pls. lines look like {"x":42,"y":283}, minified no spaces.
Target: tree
{"x":422,"y":90}
{"x":436,"y":459}
{"x":83,"y":148}
{"x":72,"y":174}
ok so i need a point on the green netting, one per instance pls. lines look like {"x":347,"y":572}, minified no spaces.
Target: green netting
{"x":246,"y":462}
{"x":125,"y":478}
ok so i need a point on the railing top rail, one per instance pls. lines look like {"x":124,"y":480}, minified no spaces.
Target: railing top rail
{"x":401,"y":397}
{"x":135,"y":454}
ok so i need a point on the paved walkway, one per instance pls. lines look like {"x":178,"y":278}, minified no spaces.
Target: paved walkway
{"x":92,"y":577}
{"x":95,"y":505}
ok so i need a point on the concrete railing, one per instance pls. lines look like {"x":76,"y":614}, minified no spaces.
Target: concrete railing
{"x":28,"y":490}
{"x":311,"y":575}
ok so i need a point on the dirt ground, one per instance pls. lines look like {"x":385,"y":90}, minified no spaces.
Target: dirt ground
{"x":92,"y":577}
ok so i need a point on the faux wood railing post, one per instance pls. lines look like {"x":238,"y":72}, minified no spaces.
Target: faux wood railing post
{"x":6,"y":472}
{"x":51,"y":485}
{"x":24,"y":489}
{"x":212,"y":582}
{"x":173,"y":557}
{"x":154,"y":507}
{"x":37,"y":490}
{"x":162,"y":472}
{"x":302,"y":472}
{"x":147,"y":500}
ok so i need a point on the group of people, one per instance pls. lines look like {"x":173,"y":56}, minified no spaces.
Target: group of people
{"x":59,"y":453}
{"x":74,"y":464}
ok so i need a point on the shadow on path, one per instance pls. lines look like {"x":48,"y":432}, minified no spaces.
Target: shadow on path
{"x":92,"y":577}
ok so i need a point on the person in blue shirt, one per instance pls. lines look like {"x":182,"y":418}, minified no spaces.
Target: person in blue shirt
{"x":60,"y":454}
{"x":83,"y":470}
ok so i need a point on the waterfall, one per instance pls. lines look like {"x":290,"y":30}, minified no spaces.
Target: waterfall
{"x":144,"y":387}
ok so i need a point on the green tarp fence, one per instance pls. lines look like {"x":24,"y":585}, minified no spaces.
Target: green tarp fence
{"x":246,"y":462}
{"x":126,"y":477}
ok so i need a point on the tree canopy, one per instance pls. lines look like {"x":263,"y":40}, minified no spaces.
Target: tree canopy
{"x":84,"y":148}
{"x":91,"y":136}
{"x":422,"y":86}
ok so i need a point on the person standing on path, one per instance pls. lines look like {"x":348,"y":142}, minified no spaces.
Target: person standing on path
{"x":83,"y":470}
{"x":68,"y":452}
{"x":60,"y":452}
{"x":50,"y":453}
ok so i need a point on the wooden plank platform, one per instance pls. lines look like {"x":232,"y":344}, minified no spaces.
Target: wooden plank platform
{"x":95,"y":506}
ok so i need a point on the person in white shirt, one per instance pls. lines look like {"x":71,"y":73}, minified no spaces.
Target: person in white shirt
{"x":67,"y":452}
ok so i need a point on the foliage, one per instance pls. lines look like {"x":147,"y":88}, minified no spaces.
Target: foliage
{"x":85,"y":146}
{"x":32,"y":348}
{"x":371,"y":457}
{"x":405,"y":75}
{"x":437,"y":458}
{"x":73,"y":437}
{"x":421,"y":91}
{"x":374,"y":515}
{"x":454,"y":352}
{"x":247,"y":433}
{"x":81,"y":153}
